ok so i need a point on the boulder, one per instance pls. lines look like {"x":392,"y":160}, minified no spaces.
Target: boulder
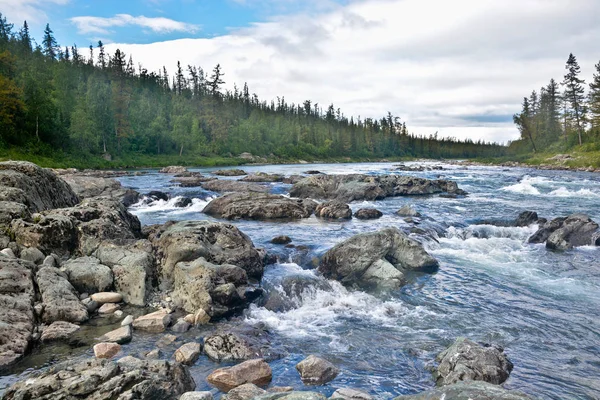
{"x":155,"y":322}
{"x":229,"y":172}
{"x":526,"y":218}
{"x":333,"y":210}
{"x":468,"y":390}
{"x":128,"y":320}
{"x":41,"y":188}
{"x":120,"y":335}
{"x":201,"y":317}
{"x":130,"y":197}
{"x":87,"y":275}
{"x":17,"y":317}
{"x":51,"y":233}
{"x":196,"y":396}
{"x":350,"y":394}
{"x":229,"y":186}
{"x":182,"y":202}
{"x":263,"y":177}
{"x":368,"y":187}
{"x":288,"y":292}
{"x":408,"y":211}
{"x":60,"y":299}
{"x":281,"y":240}
{"x":108,"y":308}
{"x":316,"y":371}
{"x":105,"y":379}
{"x":376,"y":259}
{"x":259,"y":206}
{"x":107,"y":297}
{"x":33,"y":255}
{"x":11,"y":210}
{"x":247,"y":391}
{"x":576,"y":230}
{"x":59,"y":330}
{"x":106,"y":350}
{"x":86,"y":186}
{"x":227,"y":347}
{"x":188,"y":353}
{"x":192,"y":181}
{"x":257,"y":372}
{"x":181,"y":326}
{"x":466,"y":360}
{"x":156,"y":195}
{"x":173,"y":169}
{"x":217,"y":243}
{"x":368,"y":213}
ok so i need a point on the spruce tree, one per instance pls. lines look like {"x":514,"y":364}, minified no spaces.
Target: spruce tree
{"x":49,"y":43}
{"x":575,"y":94}
{"x":594,"y":99}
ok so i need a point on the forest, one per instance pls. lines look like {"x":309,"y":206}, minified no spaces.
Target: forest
{"x":89,"y":105}
{"x":561,"y":116}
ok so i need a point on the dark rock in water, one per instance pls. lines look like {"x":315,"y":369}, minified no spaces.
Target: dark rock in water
{"x":183,"y":202}
{"x":366,"y":187}
{"x":38,"y":188}
{"x":17,"y":317}
{"x":408,"y":211}
{"x":526,"y":218}
{"x":216,"y":242}
{"x":130,"y":198}
{"x":368,"y":213}
{"x":129,"y":378}
{"x":259,"y":206}
{"x":230,"y":172}
{"x":316,"y":371}
{"x":281,"y":240}
{"x":466,"y":360}
{"x":566,"y":233}
{"x":376,"y":259}
{"x":263,"y":177}
{"x":157,"y":195}
{"x":333,"y":210}
{"x":468,"y":391}
{"x":289,"y":292}
{"x":313,"y":172}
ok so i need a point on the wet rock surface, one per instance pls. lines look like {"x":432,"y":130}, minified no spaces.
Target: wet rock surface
{"x":256,"y":372}
{"x":259,"y":207}
{"x":316,"y":371}
{"x":567,"y":232}
{"x":468,"y":391}
{"x":333,"y":210}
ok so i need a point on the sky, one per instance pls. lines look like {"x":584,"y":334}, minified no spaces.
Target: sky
{"x":457,"y":67}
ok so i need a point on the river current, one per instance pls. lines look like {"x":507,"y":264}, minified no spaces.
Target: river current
{"x":543,"y":307}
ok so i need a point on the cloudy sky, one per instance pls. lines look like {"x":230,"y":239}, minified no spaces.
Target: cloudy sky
{"x":459,"y":67}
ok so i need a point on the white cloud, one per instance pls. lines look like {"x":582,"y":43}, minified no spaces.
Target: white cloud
{"x":458,"y":67}
{"x":100,"y":25}
{"x":31,"y":11}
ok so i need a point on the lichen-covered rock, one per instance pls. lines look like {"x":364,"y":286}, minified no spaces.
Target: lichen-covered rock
{"x":228,"y":347}
{"x":259,"y":206}
{"x":466,"y":360}
{"x":217,"y":243}
{"x":60,"y":299}
{"x":333,"y":210}
{"x":11,"y":210}
{"x":51,"y":233}
{"x":316,"y":371}
{"x":257,"y":372}
{"x":467,"y":391}
{"x":104,"y":379}
{"x":87,"y":275}
{"x":17,"y":317}
{"x":375,"y":259}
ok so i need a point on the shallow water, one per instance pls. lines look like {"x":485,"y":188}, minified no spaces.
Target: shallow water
{"x":543,"y":307}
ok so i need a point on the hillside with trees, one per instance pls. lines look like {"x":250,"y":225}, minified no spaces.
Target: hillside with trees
{"x":86,"y":105}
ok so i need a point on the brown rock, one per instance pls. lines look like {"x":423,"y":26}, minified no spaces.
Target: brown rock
{"x":106,"y":350}
{"x":155,"y":322}
{"x":188,"y":353}
{"x":257,"y":372}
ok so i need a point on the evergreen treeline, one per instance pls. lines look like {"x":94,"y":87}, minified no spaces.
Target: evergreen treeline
{"x":562,"y":116}
{"x":96,"y":103}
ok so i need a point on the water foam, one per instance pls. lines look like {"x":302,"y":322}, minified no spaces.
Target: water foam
{"x":168,"y":206}
{"x":564,"y":192}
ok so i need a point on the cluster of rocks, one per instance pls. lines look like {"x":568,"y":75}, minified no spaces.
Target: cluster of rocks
{"x":564,"y":233}
{"x":417,"y":168}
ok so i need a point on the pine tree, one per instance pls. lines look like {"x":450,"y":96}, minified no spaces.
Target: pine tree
{"x":594,"y":99}
{"x":575,"y":94}
{"x":101,"y":55}
{"x":215,"y":81}
{"x":49,"y":43}
{"x":5,"y":29}
{"x":25,"y":37}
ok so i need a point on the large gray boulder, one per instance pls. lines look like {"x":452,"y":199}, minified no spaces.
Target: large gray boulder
{"x":61,"y":301}
{"x":87,"y":275}
{"x":466,"y":360}
{"x":566,"y":233}
{"x":468,"y":391}
{"x":216,"y":242}
{"x":11,"y":210}
{"x":259,"y":206}
{"x":94,"y":186}
{"x":333,"y":210}
{"x":17,"y":318}
{"x":367,"y":187}
{"x":376,"y":259}
{"x":48,"y":232}
{"x":129,"y":378}
{"x":41,"y":188}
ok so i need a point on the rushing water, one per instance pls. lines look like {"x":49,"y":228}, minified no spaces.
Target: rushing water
{"x":543,"y":307}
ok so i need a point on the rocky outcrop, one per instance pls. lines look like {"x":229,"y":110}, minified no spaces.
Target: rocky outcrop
{"x":263,"y":177}
{"x":257,"y":372}
{"x":367,"y":187}
{"x":11,"y":210}
{"x":17,"y":318}
{"x":259,"y":206}
{"x":566,"y":233}
{"x":468,"y":390}
{"x":376,"y":259}
{"x":316,"y":371}
{"x":466,"y":360}
{"x":129,"y":378}
{"x":93,"y":186}
{"x":333,"y":210}
{"x":217,"y":243}
{"x":368,"y":213}
{"x":38,"y":188}
{"x":230,"y":172}
{"x":229,"y":186}
{"x":60,"y":300}
{"x":192,"y":181}
{"x":173,"y":169}
{"x":87,"y":275}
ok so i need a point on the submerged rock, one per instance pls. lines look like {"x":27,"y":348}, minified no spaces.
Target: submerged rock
{"x":468,"y":391}
{"x":333,"y":210}
{"x":566,"y":233}
{"x":292,"y":396}
{"x":466,"y":360}
{"x":366,"y":187}
{"x":316,"y":371}
{"x":192,"y":181}
{"x":104,"y":379}
{"x":257,"y":372}
{"x":376,"y":259}
{"x":408,"y":211}
{"x":259,"y":206}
